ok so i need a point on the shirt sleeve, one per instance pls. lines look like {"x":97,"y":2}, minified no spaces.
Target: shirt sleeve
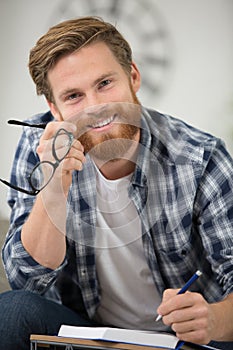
{"x":22,"y":270}
{"x":214,"y":205}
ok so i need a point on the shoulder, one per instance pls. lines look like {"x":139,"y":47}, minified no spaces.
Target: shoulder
{"x":176,"y":139}
{"x":38,"y":118}
{"x":167,"y":125}
{"x":30,"y":137}
{"x":34,"y":134}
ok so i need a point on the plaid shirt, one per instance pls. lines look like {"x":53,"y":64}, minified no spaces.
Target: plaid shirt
{"x":182,"y":188}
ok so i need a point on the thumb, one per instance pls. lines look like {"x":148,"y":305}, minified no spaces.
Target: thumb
{"x":167,"y":294}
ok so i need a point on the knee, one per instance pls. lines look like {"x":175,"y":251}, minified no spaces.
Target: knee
{"x":20,"y":307}
{"x":20,"y":303}
{"x":22,"y":313}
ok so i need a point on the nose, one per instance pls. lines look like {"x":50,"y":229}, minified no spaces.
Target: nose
{"x":95,"y":109}
{"x":93,"y":102}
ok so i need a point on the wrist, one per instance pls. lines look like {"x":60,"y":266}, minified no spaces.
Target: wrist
{"x":222,"y":319}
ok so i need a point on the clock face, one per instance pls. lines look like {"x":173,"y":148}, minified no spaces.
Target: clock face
{"x":142,"y":25}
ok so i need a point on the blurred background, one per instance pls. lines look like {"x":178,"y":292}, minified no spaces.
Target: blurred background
{"x":184,"y":49}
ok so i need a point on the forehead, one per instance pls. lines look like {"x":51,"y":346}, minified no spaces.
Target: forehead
{"x":90,"y":55}
{"x":83,"y":66}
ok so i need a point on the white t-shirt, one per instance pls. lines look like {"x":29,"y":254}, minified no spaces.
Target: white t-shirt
{"x":129,"y":298}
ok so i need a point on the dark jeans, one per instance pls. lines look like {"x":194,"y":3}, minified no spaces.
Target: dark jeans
{"x":24,"y":313}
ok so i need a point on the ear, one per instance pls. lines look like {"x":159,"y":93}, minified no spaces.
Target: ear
{"x":135,"y":77}
{"x":54,"y":110}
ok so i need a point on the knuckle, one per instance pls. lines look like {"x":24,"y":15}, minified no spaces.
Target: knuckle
{"x":166,"y":321}
{"x":168,"y":293}
{"x":72,"y":163}
{"x":201,"y":337}
{"x":175,"y":327}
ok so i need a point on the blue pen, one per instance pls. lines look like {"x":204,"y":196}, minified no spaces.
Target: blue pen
{"x":185,"y":287}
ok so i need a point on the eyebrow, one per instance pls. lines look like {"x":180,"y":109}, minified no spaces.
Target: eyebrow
{"x":104,"y":76}
{"x":67,"y":92}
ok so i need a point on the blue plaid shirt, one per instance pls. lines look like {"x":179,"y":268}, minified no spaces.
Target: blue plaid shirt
{"x":182,"y":188}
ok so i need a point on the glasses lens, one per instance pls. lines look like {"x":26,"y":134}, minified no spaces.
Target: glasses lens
{"x":41,"y":175}
{"x":62,"y":144}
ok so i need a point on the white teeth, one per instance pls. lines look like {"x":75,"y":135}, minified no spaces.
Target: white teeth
{"x":103,"y":123}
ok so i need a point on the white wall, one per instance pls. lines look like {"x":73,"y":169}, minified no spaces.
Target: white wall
{"x":198,"y":88}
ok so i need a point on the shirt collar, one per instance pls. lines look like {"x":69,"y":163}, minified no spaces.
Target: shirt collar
{"x":142,"y":163}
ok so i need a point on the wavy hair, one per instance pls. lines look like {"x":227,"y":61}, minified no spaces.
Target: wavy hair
{"x":68,"y":37}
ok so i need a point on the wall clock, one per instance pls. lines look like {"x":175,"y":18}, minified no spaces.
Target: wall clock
{"x":142,"y":24}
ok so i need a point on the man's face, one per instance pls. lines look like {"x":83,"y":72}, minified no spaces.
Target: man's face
{"x":89,"y":84}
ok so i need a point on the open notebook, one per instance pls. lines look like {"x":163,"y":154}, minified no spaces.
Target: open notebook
{"x":128,"y":336}
{"x":137,"y":337}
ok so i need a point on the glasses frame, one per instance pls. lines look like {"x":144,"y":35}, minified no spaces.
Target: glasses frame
{"x":55,"y":165}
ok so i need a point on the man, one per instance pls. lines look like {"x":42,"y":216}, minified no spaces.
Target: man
{"x":135,"y":204}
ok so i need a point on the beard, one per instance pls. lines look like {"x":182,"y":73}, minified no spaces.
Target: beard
{"x":112,"y":145}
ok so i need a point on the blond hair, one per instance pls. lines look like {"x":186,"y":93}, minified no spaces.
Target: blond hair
{"x":68,"y":37}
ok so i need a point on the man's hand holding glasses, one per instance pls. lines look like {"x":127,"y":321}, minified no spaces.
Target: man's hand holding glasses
{"x":57,"y":149}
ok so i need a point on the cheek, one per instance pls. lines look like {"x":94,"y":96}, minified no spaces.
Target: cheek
{"x":68,"y":112}
{"x":124,"y":95}
{"x":56,"y":111}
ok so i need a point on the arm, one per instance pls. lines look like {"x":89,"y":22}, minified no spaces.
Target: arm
{"x":195,"y":320}
{"x":26,"y":268}
{"x":41,"y":237}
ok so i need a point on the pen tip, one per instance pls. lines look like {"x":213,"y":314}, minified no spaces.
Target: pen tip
{"x":158,"y":318}
{"x":198,"y":273}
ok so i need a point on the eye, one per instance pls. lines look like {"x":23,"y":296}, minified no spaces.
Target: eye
{"x":72,"y":96}
{"x":104,"y":83}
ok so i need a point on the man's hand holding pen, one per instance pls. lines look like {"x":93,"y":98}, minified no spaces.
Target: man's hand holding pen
{"x":189,"y":315}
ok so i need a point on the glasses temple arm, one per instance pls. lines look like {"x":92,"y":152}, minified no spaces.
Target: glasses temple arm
{"x":18,"y":122}
{"x":32,"y":193}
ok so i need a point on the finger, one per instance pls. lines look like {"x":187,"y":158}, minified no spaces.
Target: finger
{"x":168,"y":294}
{"x":197,"y":311}
{"x":77,"y":145}
{"x":47,"y":140}
{"x":180,"y":301}
{"x":53,"y":127}
{"x":45,"y":145}
{"x":76,"y":154}
{"x":199,"y":336}
{"x":195,"y":327}
{"x":70,"y":164}
{"x":190,"y":326}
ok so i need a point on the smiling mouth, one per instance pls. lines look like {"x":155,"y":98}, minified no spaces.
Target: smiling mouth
{"x":103,"y":123}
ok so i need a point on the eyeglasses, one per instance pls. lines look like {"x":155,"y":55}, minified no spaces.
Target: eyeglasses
{"x":44,"y":171}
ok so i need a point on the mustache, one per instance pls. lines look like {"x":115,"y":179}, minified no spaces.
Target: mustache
{"x":90,"y":116}
{"x":92,"y":119}
{"x":115,"y":112}
{"x":125,"y":111}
